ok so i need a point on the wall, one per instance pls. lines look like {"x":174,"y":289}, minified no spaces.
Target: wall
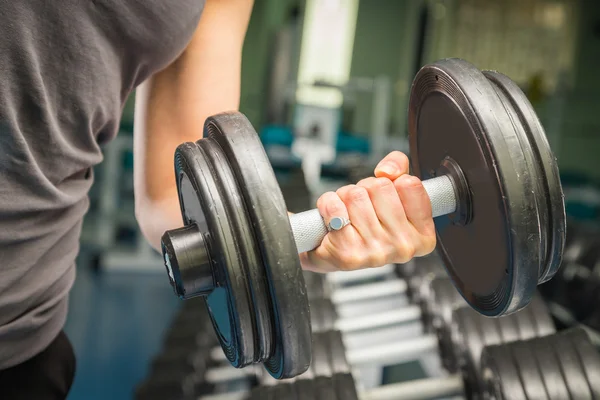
{"x":579,"y":143}
{"x":267,"y":17}
{"x":385,"y":44}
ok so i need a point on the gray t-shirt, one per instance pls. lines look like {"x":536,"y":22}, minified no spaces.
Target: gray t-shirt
{"x":66,"y":69}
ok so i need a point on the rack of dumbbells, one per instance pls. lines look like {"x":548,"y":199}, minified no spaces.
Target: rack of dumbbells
{"x":574,"y":293}
{"x":361,"y":321}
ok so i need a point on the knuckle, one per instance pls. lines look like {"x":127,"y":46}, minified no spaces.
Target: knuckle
{"x":343,"y":191}
{"x":382,"y":183}
{"x":357,"y":194}
{"x":405,"y":251}
{"x":350,"y":260}
{"x":334,"y":207}
{"x":378,"y":258}
{"x":412,"y":182}
{"x":366,"y":182}
{"x":429,"y":243}
{"x":328,"y":200}
{"x":321,"y":200}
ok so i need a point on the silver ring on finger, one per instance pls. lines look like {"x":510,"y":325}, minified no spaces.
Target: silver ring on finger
{"x":337,"y":223}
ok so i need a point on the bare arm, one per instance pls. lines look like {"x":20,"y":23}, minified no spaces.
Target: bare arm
{"x":171,"y":108}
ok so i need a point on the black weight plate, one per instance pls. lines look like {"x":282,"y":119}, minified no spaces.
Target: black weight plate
{"x":499,"y":373}
{"x":269,"y":218}
{"x":555,"y":223}
{"x":539,"y":313}
{"x":247,"y":250}
{"x":337,"y":352}
{"x":571,"y":367}
{"x":345,"y":387}
{"x":203,"y":202}
{"x":532,"y":166}
{"x":550,"y":371}
{"x":493,"y":259}
{"x":589,"y":357}
{"x":531,"y":379}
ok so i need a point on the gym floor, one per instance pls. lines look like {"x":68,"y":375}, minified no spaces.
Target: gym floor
{"x":115,"y":323}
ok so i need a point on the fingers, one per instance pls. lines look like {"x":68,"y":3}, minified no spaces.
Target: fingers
{"x":331,"y":205}
{"x":390,"y":223}
{"x":386,"y":203}
{"x":335,"y":244}
{"x":392,"y":166}
{"x":360,"y":210}
{"x":418,"y":210}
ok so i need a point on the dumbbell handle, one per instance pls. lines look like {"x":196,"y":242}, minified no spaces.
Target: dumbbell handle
{"x":309,"y":228}
{"x":419,"y":389}
{"x":385,"y":354}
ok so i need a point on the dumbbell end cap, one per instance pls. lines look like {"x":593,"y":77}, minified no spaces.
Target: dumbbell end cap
{"x":187,"y":261}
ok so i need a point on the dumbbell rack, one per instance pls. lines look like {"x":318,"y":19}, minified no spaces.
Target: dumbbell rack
{"x":572,"y":294}
{"x":215,"y":379}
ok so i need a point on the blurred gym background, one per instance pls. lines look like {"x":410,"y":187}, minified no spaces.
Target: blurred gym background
{"x":335,"y":75}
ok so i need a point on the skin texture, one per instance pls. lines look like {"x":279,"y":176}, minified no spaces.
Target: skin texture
{"x":390,"y":213}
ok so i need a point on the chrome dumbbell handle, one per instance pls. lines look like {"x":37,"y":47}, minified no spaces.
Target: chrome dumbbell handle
{"x":309,"y":228}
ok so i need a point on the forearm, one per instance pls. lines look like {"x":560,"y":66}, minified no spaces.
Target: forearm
{"x":172,"y":106}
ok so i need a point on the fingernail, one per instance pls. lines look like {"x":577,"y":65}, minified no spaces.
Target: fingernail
{"x":389,"y":169}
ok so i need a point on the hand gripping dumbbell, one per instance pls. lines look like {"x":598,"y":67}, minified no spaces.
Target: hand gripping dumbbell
{"x":486,"y":165}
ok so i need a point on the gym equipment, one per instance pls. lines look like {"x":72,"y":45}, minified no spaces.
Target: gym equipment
{"x":577,"y":285}
{"x":489,"y":173}
{"x":324,"y":316}
{"x":560,"y":366}
{"x":469,"y":333}
{"x":522,"y":369}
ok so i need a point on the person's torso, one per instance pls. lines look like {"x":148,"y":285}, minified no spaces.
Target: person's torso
{"x":66,"y":69}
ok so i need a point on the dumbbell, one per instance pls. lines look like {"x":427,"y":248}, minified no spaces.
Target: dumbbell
{"x":577,"y":285}
{"x":324,"y":317}
{"x":331,"y":376}
{"x":561,"y":366}
{"x":532,"y":321}
{"x":469,"y":333}
{"x":486,"y":165}
{"x":555,"y":367}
